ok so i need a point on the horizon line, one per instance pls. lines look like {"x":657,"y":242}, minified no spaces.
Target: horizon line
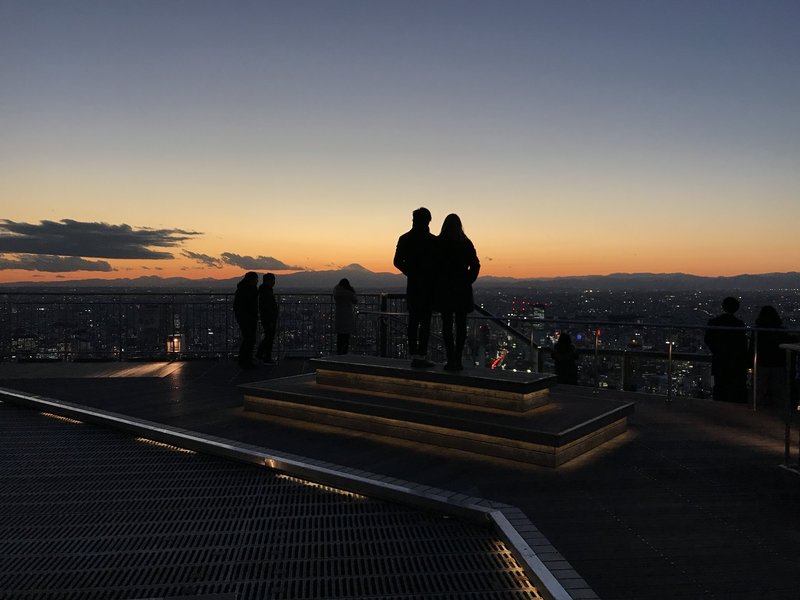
{"x":399,"y":275}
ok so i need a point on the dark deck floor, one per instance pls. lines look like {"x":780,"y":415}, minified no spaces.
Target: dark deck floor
{"x":689,"y":504}
{"x":90,"y":512}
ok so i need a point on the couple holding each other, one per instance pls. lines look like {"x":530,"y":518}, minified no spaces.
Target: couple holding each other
{"x":440,"y":271}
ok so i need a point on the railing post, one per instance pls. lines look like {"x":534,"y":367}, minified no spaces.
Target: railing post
{"x":119,"y":327}
{"x":789,"y":408}
{"x":596,"y":359}
{"x":383,"y":333}
{"x":172,"y":310}
{"x":755,"y":368}
{"x":7,"y":349}
{"x":623,"y":376}
{"x":227,"y":325}
{"x":669,"y":366}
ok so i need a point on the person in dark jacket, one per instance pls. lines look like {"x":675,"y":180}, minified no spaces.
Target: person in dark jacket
{"x":345,"y":298}
{"x":414,"y":257}
{"x":245,"y":309}
{"x":268,"y":312}
{"x":457,"y":269}
{"x":769,"y":358}
{"x":565,"y":359}
{"x":729,"y":354}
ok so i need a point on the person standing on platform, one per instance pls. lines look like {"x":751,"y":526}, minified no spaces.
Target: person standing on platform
{"x":729,"y":355}
{"x":457,"y":269}
{"x":346,"y":300}
{"x":414,"y":257}
{"x":245,"y":309}
{"x":769,"y":358}
{"x":268,"y":311}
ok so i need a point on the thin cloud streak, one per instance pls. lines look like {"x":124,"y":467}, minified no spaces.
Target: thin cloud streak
{"x":244,"y":262}
{"x":254,"y":263}
{"x":204,"y":259}
{"x":53,"y":264}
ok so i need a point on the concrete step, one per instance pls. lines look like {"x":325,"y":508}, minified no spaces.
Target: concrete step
{"x":484,"y":388}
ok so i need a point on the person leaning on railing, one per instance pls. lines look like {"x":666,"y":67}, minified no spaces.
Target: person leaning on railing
{"x":565,"y":360}
{"x":345,"y":298}
{"x":245,"y":309}
{"x":728,"y":344}
{"x":771,"y":360}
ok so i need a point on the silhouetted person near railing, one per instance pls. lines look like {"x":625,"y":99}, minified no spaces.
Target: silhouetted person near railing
{"x":457,"y":269}
{"x":565,"y":359}
{"x":346,"y":300}
{"x":245,"y":309}
{"x":414,"y":257}
{"x":729,"y":359}
{"x":268,"y":312}
{"x":771,"y":358}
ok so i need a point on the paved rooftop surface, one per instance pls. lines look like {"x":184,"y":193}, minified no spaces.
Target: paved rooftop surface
{"x":689,"y":503}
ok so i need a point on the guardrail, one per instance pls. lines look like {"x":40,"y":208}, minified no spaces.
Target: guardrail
{"x":667,"y":359}
{"x":140,"y":326}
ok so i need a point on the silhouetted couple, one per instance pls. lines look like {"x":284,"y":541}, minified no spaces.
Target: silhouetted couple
{"x":440,"y":271}
{"x":250,"y":302}
{"x":732,"y":356}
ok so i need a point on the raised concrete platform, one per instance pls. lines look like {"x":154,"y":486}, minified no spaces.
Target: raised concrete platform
{"x":346,"y":392}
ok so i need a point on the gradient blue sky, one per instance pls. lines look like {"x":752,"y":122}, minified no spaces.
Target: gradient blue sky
{"x":571,"y":137}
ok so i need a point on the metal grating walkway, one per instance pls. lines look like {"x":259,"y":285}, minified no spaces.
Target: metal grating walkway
{"x":87,"y":512}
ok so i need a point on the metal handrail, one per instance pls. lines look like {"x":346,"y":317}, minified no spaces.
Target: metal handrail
{"x":112,"y":318}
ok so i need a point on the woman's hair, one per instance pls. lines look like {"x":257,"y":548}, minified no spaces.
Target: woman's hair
{"x":768,"y":317}
{"x":250,"y":277}
{"x":452,"y":228}
{"x":344,"y":283}
{"x":564,"y":339}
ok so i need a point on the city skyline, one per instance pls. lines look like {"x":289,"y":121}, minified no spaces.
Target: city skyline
{"x":201,"y":139}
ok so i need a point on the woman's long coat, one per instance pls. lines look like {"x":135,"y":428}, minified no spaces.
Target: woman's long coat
{"x":457,"y":269}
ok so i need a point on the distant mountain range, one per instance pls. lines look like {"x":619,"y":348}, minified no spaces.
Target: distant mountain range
{"x":364,"y":280}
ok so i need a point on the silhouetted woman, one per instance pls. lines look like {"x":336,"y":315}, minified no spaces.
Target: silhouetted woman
{"x":457,"y":269}
{"x":245,"y":309}
{"x":345,"y":297}
{"x":268,"y":311}
{"x":565,"y":359}
{"x":771,"y":366}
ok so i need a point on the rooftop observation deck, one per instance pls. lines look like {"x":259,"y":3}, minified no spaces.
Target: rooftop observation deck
{"x":688,"y":503}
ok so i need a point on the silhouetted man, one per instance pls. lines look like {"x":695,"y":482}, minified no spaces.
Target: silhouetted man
{"x":245,"y":309}
{"x":414,"y":257}
{"x":268,"y":311}
{"x":728,"y":354}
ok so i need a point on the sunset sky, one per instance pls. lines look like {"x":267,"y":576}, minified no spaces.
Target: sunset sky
{"x":203,"y":138}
